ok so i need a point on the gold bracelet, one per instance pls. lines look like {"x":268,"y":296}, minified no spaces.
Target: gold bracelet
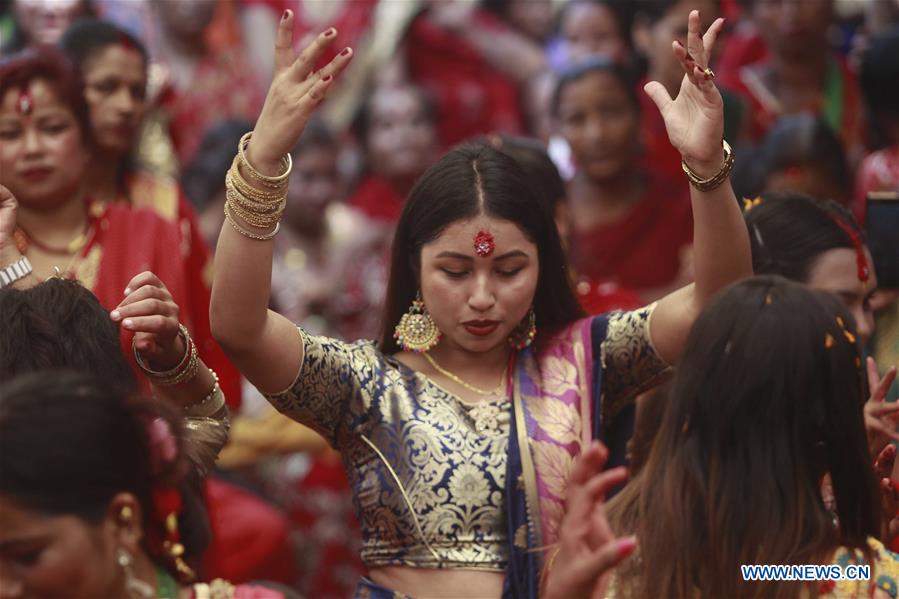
{"x":184,"y":371}
{"x":262,"y":221}
{"x":277,"y":180}
{"x":258,"y":208}
{"x":235,"y":179}
{"x":716,"y":179}
{"x":249,"y":234}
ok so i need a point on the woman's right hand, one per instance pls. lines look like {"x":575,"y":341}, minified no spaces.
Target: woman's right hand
{"x":294,"y":93}
{"x":588,"y":549}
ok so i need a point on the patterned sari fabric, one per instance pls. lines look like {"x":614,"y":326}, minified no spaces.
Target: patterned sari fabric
{"x":431,"y":489}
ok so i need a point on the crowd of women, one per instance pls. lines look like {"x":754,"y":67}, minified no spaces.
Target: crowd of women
{"x":514,"y":298}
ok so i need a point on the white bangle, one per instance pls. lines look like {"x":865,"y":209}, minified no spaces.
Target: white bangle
{"x":209,"y":405}
{"x":19,"y":269}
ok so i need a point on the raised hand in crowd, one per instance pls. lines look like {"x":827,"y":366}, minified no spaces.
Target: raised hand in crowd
{"x":880,"y":416}
{"x":581,"y":564}
{"x":161,"y":343}
{"x":694,"y":119}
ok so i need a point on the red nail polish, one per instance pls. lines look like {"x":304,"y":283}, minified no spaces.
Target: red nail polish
{"x":345,"y":52}
{"x":330,"y":32}
{"x":326,"y":78}
{"x":626,"y":546}
{"x":285,"y":15}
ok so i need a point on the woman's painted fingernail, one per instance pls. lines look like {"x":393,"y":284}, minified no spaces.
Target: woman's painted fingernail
{"x":626,"y":546}
{"x":115,"y":314}
{"x":330,"y":32}
{"x":285,"y":15}
{"x":327,"y":78}
{"x":127,"y":323}
{"x":346,"y":52}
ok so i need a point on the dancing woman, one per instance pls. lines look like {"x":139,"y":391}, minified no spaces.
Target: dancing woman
{"x":459,"y":428}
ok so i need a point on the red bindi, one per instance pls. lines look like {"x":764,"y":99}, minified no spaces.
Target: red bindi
{"x":484,"y":244}
{"x":24,"y":103}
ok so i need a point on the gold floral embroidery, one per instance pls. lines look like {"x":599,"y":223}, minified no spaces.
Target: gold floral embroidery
{"x":452,"y":474}
{"x":468,"y":486}
{"x":631,"y":364}
{"x":560,"y":421}
{"x":557,"y":375}
{"x":554,"y":464}
{"x":552,"y":516}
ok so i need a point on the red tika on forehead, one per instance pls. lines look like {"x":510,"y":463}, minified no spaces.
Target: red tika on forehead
{"x":24,"y":103}
{"x":484,"y":244}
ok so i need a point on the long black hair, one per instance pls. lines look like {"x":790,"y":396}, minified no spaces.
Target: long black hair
{"x":470,"y":180}
{"x":789,"y":231}
{"x":768,"y":398}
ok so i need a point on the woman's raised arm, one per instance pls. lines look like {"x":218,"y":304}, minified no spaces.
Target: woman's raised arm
{"x":264,"y":345}
{"x":695,"y":124}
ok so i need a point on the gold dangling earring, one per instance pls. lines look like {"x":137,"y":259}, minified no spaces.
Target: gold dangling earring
{"x":417,"y":331}
{"x":523,"y":335}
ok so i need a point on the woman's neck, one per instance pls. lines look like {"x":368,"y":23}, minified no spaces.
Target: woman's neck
{"x":472,"y":367}
{"x":102,"y":177}
{"x":56,"y":226}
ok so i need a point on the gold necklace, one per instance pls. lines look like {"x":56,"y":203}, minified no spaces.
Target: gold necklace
{"x":498,"y":390}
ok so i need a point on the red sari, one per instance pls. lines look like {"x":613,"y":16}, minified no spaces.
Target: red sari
{"x":124,"y":241}
{"x":642,"y":251}
{"x":472,"y":97}
{"x":377,"y":199}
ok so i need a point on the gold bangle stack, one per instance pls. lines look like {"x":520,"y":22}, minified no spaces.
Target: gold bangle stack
{"x":258,"y":207}
{"x":716,"y":179}
{"x":184,"y":371}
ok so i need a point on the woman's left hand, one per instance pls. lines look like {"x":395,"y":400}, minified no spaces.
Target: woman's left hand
{"x":150,"y":312}
{"x":587,"y":549}
{"x":695,"y":119}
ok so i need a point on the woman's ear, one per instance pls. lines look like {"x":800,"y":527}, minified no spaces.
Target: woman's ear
{"x":124,"y":518}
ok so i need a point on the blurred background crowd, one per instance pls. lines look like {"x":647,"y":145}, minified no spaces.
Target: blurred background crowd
{"x":811,"y":90}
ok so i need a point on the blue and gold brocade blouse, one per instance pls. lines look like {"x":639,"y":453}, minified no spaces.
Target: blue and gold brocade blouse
{"x":427,"y":485}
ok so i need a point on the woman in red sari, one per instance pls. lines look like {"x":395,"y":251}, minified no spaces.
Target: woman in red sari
{"x":46,"y":146}
{"x":113,"y":65}
{"x":800,"y":73}
{"x":630,"y":226}
{"x":397,"y":128}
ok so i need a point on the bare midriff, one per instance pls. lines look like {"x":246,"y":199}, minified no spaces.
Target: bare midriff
{"x":429,"y":583}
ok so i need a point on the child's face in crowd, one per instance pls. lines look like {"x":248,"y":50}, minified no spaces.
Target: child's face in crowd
{"x":591,"y":29}
{"x":402,"y":138}
{"x":794,"y":29}
{"x":599,"y":121}
{"x":115,"y":89}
